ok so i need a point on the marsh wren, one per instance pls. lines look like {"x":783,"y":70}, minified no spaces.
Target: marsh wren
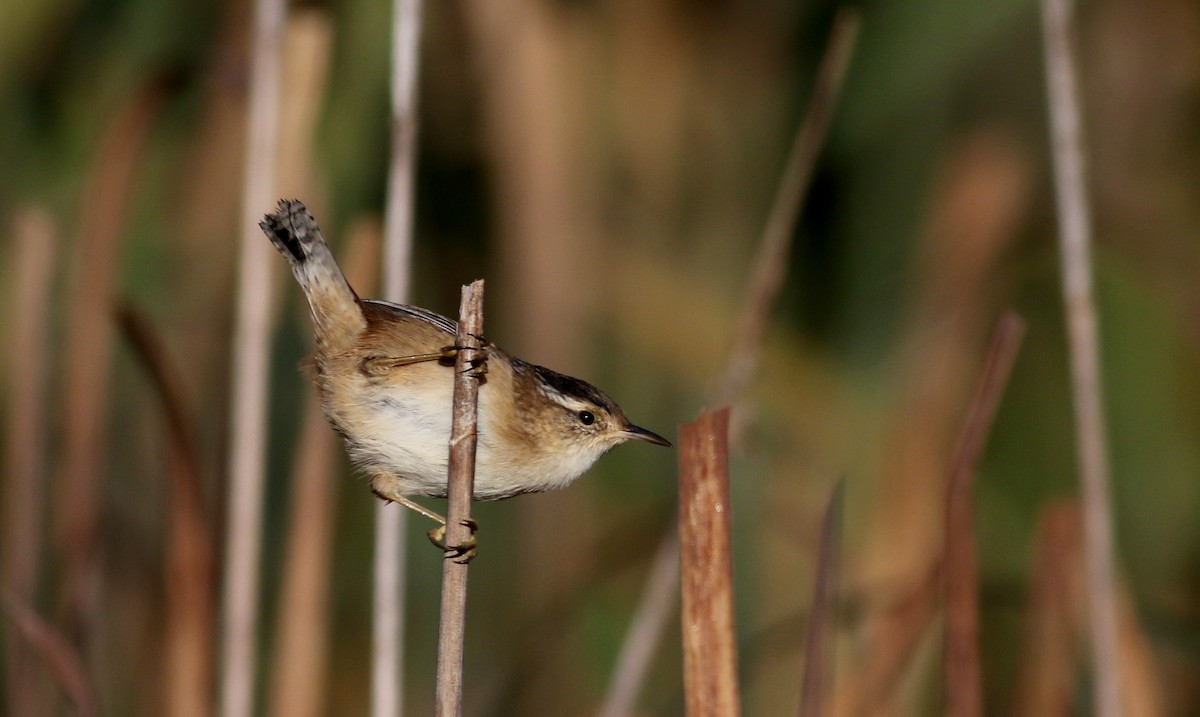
{"x":385,"y":375}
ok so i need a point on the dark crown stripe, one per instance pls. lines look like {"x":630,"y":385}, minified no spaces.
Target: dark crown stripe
{"x":573,"y":387}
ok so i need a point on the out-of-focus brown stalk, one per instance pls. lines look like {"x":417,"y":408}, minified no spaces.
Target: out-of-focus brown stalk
{"x":387,"y":654}
{"x":57,"y":653}
{"x":710,"y":679}
{"x":1045,"y":684}
{"x":189,"y":570}
{"x":902,"y":620}
{"x":978,"y":202}
{"x":302,"y":628}
{"x":86,"y":350}
{"x":538,"y":112}
{"x":1056,"y":627}
{"x":307,"y":49}
{"x":1075,"y":240}
{"x":35,"y":248}
{"x":252,"y":333}
{"x":762,"y":293}
{"x":963,"y":682}
{"x":461,"y":488}
{"x":817,"y":679}
{"x":1143,"y":694}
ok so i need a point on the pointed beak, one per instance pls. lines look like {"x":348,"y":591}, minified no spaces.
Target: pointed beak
{"x":641,"y":434}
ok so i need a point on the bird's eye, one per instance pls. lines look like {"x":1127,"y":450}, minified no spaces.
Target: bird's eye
{"x":587,"y":418}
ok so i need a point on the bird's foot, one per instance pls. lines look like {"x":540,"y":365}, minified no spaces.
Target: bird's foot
{"x":461,"y":553}
{"x":476,"y":357}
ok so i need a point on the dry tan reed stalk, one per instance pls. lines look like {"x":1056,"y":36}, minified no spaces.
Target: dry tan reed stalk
{"x":35,"y":245}
{"x":762,"y":292}
{"x":302,"y":628}
{"x":963,"y":677}
{"x":1075,"y":240}
{"x":252,"y":333}
{"x":307,"y":54}
{"x":189,"y":564}
{"x":387,"y":656}
{"x":297,"y":680}
{"x":459,"y":491}
{"x":817,"y":679}
{"x":710,"y":678}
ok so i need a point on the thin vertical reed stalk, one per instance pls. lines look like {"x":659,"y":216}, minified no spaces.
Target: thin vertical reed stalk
{"x":406,"y":45}
{"x":252,"y":332}
{"x":300,"y":652}
{"x":710,"y":680}
{"x":24,"y":498}
{"x":963,"y":680}
{"x":817,"y":679}
{"x":188,"y":568}
{"x":1075,"y":239}
{"x":387,"y":658}
{"x":762,"y":293}
{"x":459,"y":491}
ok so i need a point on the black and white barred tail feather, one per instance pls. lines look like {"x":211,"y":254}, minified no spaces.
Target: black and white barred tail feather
{"x":337,"y":316}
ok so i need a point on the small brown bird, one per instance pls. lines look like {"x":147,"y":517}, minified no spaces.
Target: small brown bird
{"x":385,"y":376}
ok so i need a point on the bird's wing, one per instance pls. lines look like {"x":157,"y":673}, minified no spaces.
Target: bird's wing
{"x":441,"y":322}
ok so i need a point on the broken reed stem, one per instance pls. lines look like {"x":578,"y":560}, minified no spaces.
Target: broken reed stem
{"x":252,"y":332}
{"x":963,"y":683}
{"x":1075,"y":238}
{"x":387,"y":658}
{"x":710,"y":678}
{"x":762,"y":293}
{"x":459,"y":493}
{"x":817,"y":678}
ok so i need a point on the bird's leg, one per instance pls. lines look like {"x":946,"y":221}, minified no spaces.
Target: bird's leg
{"x":384,"y":486}
{"x":379,"y":365}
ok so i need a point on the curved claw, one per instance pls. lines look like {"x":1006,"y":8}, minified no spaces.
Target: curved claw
{"x":478,"y":364}
{"x":461,"y":553}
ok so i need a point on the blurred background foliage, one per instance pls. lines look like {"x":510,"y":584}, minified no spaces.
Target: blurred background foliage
{"x":608,"y":166}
